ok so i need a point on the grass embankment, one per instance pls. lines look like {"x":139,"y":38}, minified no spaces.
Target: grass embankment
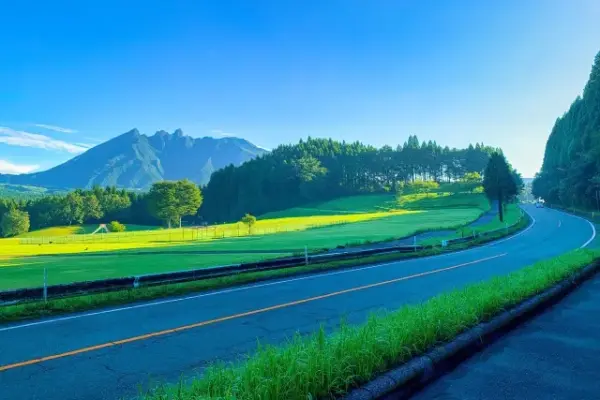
{"x":21,"y":265}
{"x":512,"y":215}
{"x":38,"y":309}
{"x":324,"y":366}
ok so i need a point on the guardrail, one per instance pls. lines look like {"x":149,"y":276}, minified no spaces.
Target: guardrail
{"x":133,"y":282}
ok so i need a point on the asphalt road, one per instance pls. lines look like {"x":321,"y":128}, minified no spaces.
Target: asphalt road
{"x":553,"y":356}
{"x":107,"y":354}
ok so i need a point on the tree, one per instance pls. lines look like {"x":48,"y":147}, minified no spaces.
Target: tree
{"x":571,"y":167}
{"x":188,"y":197}
{"x":14,"y":222}
{"x":72,"y":208}
{"x":112,"y":201}
{"x":498,"y":182}
{"x":91,"y":207}
{"x":162,"y":202}
{"x":249,"y":220}
{"x":170,"y":201}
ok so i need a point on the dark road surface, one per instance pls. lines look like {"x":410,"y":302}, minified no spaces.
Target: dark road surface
{"x":554,"y":356}
{"x":106,"y":354}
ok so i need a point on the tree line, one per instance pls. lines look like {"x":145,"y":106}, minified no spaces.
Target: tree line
{"x":322,"y":169}
{"x":570,"y":174}
{"x":166,"y":203}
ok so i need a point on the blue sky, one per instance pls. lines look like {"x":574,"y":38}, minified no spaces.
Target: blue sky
{"x":73,"y":74}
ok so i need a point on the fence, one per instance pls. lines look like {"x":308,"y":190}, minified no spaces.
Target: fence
{"x":178,"y":235}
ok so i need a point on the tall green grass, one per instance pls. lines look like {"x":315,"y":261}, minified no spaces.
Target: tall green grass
{"x":322,"y":366}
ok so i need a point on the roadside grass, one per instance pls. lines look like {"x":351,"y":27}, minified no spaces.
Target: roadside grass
{"x":324,"y":366}
{"x":19,"y":271}
{"x":37,"y":309}
{"x":511,"y":216}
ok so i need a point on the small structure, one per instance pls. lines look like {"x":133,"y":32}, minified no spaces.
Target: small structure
{"x":101,"y":227}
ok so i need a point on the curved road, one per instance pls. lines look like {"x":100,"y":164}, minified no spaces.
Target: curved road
{"x":106,"y":354}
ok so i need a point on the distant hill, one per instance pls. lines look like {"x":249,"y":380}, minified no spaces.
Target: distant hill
{"x":135,"y":161}
{"x":23,"y":192}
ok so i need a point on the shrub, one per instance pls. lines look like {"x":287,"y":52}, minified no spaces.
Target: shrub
{"x":116,"y":226}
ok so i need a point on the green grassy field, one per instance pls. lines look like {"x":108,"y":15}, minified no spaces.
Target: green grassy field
{"x":67,"y":258}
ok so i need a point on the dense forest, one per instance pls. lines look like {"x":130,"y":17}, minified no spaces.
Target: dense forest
{"x":97,"y":205}
{"x":570,"y":174}
{"x":322,"y":169}
{"x":291,"y":175}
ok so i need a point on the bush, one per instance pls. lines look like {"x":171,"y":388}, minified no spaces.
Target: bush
{"x":116,"y":226}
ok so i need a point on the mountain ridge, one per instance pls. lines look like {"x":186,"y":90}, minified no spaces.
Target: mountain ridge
{"x":134,"y":160}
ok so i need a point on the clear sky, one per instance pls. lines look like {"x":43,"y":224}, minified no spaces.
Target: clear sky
{"x":73,"y":74}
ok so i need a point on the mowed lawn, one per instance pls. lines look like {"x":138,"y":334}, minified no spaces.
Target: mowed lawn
{"x":22,"y":266}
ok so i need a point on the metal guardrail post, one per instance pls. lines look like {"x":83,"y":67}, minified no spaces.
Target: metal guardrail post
{"x":45,"y":285}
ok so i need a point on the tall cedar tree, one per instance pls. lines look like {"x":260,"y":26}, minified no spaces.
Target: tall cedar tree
{"x":570,"y":174}
{"x":499,"y":182}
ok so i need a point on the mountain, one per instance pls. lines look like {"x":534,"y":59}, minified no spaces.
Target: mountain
{"x":135,"y":161}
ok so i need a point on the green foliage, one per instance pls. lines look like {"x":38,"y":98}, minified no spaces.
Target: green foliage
{"x":249,"y":221}
{"x":421,"y":186}
{"x":116,"y":226}
{"x":189,"y":198}
{"x":570,"y":174}
{"x":162,"y":202}
{"x":72,"y":208}
{"x":14,"y":222}
{"x":170,"y":201}
{"x":318,"y":170}
{"x":471,"y":182}
{"x":91,"y":207}
{"x":500,"y":183}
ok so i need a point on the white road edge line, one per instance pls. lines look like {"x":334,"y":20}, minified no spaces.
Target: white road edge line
{"x":591,"y":239}
{"x":256,"y":286}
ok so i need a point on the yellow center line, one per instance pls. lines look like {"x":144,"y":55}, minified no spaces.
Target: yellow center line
{"x":235,"y":316}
